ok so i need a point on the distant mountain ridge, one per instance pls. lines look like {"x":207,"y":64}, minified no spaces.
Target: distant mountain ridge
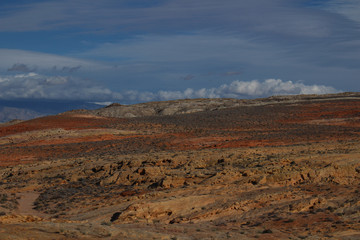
{"x":11,"y":113}
{"x":25,"y":109}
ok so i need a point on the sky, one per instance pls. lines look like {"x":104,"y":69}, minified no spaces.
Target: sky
{"x":139,"y":50}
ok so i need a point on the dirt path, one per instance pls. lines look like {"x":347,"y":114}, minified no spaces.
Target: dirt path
{"x":26,"y":204}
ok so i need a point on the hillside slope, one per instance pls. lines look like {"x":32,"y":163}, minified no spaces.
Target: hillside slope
{"x":185,"y":106}
{"x":270,"y":168}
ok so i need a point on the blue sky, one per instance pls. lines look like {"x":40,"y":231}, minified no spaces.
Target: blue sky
{"x":137,"y":50}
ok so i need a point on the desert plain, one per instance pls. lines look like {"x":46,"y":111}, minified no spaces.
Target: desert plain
{"x":285,"y":167}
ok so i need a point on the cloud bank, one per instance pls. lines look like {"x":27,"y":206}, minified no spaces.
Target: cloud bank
{"x":236,"y":89}
{"x":37,"y":86}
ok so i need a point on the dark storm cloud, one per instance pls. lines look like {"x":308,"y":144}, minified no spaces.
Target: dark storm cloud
{"x":19,"y":67}
{"x":188,"y":77}
{"x":29,"y":61}
{"x":70,"y":69}
{"x":232,"y":73}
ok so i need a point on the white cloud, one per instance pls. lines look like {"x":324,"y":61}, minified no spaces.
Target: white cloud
{"x":38,"y":86}
{"x":102,"y":103}
{"x":236,"y":89}
{"x":56,"y":80}
{"x":27,"y":75}
{"x":272,"y":87}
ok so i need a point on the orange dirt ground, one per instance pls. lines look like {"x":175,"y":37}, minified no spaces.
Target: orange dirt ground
{"x":267,"y":171}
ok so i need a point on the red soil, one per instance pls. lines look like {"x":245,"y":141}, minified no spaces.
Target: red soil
{"x":273,"y":125}
{"x":67,"y":122}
